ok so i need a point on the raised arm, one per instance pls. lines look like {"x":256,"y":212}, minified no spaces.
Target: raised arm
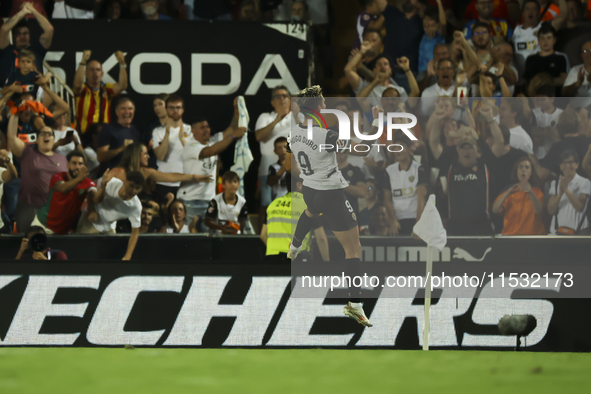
{"x":219,"y":147}
{"x":47,"y":27}
{"x":9,"y":25}
{"x":66,"y":187}
{"x":80,"y":73}
{"x":121,"y":85}
{"x":559,"y":20}
{"x":442,"y":19}
{"x":16,"y":146}
{"x":162,"y":149}
{"x":234,"y":123}
{"x":158,"y":176}
{"x":351,"y":67}
{"x":11,"y":172}
{"x":61,"y":107}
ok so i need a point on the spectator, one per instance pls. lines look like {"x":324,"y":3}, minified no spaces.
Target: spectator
{"x":481,"y":39}
{"x":368,"y":60}
{"x":200,"y":158}
{"x":249,"y":11}
{"x":67,"y":192}
{"x":276,"y":231}
{"x":521,"y":204}
{"x":510,"y":113}
{"x":168,"y":142}
{"x":546,"y":114}
{"x":404,"y":189}
{"x":568,"y":198}
{"x":177,"y":213}
{"x":445,"y":86}
{"x":379,"y":222}
{"x":299,"y":12}
{"x":551,"y":11}
{"x":500,"y":10}
{"x":403,"y":22}
{"x":22,"y":40}
{"x":356,"y":180}
{"x":270,"y":126}
{"x":37,"y":166}
{"x":571,"y":139}
{"x":150,"y":11}
{"x":82,"y":10}
{"x":135,"y":158}
{"x":499,"y":29}
{"x":34,"y":247}
{"x":547,"y":60}
{"x":115,"y":137}
{"x":93,"y":97}
{"x":159,"y":106}
{"x":525,"y":37}
{"x":227,"y":211}
{"x":7,"y":173}
{"x":66,"y":138}
{"x":278,"y":177}
{"x":146,"y":219}
{"x":428,"y":77}
{"x":24,"y":78}
{"x":468,"y":183}
{"x":501,"y":65}
{"x":370,"y":18}
{"x":91,"y":142}
{"x":372,"y":198}
{"x":435,"y":26}
{"x":115,"y":200}
{"x":578,"y":81}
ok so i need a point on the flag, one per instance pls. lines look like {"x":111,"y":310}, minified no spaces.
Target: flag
{"x":242,"y":154}
{"x":429,"y":227}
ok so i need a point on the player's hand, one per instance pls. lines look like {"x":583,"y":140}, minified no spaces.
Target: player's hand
{"x":365,"y":46}
{"x":403,"y":63}
{"x":120,"y":56}
{"x":39,"y":256}
{"x":239,"y":132}
{"x":563,"y":183}
{"x":459,"y":36}
{"x":127,"y":142}
{"x":107,"y":176}
{"x":354,"y":52}
{"x":83,"y":173}
{"x":86,"y":56}
{"x":203,"y":178}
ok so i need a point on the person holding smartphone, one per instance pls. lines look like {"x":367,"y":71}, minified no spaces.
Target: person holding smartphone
{"x":66,"y":138}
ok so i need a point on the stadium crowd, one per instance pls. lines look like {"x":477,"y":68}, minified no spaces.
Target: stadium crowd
{"x":503,"y":132}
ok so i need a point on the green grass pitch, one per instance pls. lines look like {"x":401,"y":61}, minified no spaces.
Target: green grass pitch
{"x":113,"y":371}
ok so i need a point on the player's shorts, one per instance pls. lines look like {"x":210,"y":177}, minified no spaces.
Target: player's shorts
{"x":334,"y":207}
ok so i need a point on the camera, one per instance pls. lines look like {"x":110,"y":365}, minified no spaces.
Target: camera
{"x":38,"y":242}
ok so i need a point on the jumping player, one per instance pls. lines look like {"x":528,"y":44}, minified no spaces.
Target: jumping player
{"x":324,"y":189}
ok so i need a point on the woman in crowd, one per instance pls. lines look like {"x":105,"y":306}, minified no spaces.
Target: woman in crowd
{"x":177,"y":213}
{"x":521,"y":204}
{"x":568,"y":198}
{"x":135,"y":158}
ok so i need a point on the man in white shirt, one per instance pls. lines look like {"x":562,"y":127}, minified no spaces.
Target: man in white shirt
{"x":578,"y":81}
{"x":269,"y":127}
{"x":115,"y":200}
{"x":168,"y":142}
{"x":509,"y":111}
{"x":445,"y":86}
{"x":546,"y":114}
{"x":200,"y":158}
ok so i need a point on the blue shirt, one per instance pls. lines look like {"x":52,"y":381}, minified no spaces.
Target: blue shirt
{"x":426,"y":49}
{"x":404,"y":36}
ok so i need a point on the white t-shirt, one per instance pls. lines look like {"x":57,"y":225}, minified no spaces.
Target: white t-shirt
{"x":519,"y":139}
{"x":281,"y":129}
{"x":192,"y":164}
{"x":113,"y":208}
{"x":64,"y":150}
{"x":429,"y":95}
{"x":172,"y":161}
{"x":221,"y":212}
{"x":375,"y":96}
{"x":525,"y":43}
{"x":545,"y":120}
{"x":319,"y":169}
{"x":567,"y":214}
{"x":1,"y":192}
{"x":280,"y":188}
{"x":184,"y":229}
{"x":403,"y":185}
{"x":584,"y":90}
{"x":359,"y":161}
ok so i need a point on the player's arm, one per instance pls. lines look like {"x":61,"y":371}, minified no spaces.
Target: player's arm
{"x":121,"y":85}
{"x":161,"y":150}
{"x":263,"y":235}
{"x":68,"y":186}
{"x":558,"y":21}
{"x":234,"y":123}
{"x":135,"y":235}
{"x":80,"y":73}
{"x":47,"y":36}
{"x":61,"y":107}
{"x":16,"y":146}
{"x":9,"y":25}
{"x":219,"y":147}
{"x":351,"y":66}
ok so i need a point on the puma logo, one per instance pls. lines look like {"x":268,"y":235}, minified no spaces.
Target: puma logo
{"x":460,"y":253}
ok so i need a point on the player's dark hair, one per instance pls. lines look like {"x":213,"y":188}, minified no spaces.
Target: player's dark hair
{"x":547,"y":28}
{"x":76,"y":153}
{"x":478,"y":24}
{"x":278,"y":87}
{"x":279,"y":140}
{"x":530,"y":1}
{"x":174,"y":98}
{"x":136,"y":177}
{"x":568,"y":153}
{"x":230,"y":176}
{"x":545,"y":90}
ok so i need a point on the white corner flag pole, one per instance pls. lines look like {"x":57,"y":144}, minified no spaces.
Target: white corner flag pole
{"x":429,"y":273}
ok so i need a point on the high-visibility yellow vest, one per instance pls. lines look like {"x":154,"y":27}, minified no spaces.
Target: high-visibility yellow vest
{"x":282,"y":218}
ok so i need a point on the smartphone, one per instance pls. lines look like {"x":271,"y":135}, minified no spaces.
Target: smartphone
{"x":70,"y":134}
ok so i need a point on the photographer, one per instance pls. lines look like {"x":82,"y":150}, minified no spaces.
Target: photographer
{"x":34,"y":247}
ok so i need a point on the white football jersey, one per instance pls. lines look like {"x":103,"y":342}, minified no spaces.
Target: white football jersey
{"x":318,"y":167}
{"x":525,"y":44}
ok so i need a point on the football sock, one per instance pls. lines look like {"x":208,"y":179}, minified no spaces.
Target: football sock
{"x":302,"y":229}
{"x":353,"y":268}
